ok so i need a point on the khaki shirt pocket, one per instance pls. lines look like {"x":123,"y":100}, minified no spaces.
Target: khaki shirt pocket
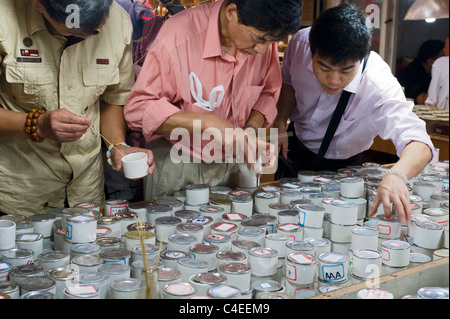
{"x":30,"y":85}
{"x":96,"y":79}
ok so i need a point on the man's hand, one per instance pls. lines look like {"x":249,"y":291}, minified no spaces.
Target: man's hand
{"x":62,"y":126}
{"x":392,"y":189}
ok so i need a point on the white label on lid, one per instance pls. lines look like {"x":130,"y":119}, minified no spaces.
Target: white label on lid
{"x":4,"y":266}
{"x":266,"y":195}
{"x":289,"y":227}
{"x":270,"y":188}
{"x":81,"y":290}
{"x":333,"y":257}
{"x":82,"y":218}
{"x":178,"y":289}
{"x":29,"y":237}
{"x":290,"y":185}
{"x":224,"y":291}
{"x":175,"y":254}
{"x":301,"y":259}
{"x":394,"y":244}
{"x":225,"y":227}
{"x":265,"y":285}
{"x":234,"y":216}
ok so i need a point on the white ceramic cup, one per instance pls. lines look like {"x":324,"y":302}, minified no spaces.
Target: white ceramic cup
{"x":7,"y":234}
{"x":135,"y":165}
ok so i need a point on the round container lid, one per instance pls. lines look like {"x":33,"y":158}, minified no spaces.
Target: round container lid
{"x":82,"y":291}
{"x":278,"y":236}
{"x":186,"y":213}
{"x":202,"y":220}
{"x":304,"y":259}
{"x":88,"y":248}
{"x":18,"y":253}
{"x":80,"y":219}
{"x":193,"y":263}
{"x":299,"y":245}
{"x":223,"y":291}
{"x":180,"y":289}
{"x":254,"y":222}
{"x":367,"y":254}
{"x":433,"y":293}
{"x":266,"y":195}
{"x":126,"y":285}
{"x":289,"y":212}
{"x":135,"y":234}
{"x":94,"y":278}
{"x":189,"y":227}
{"x":217,"y":238}
{"x":352,"y":179}
{"x":62,"y":273}
{"x":265,"y":217}
{"x":231,"y":255}
{"x":139,"y":205}
{"x":182,"y":239}
{"x":38,"y":295}
{"x":251,"y":231}
{"x":158,"y":209}
{"x":168,"y":220}
{"x":435,"y":211}
{"x":204,"y":249}
{"x":343,"y":203}
{"x":29,"y":237}
{"x":151,"y":263}
{"x":319,"y":242}
{"x":263,"y":252}
{"x":27,"y":270}
{"x":301,"y":201}
{"x":87,"y":260}
{"x":333,"y":258}
{"x":168,"y":274}
{"x":423,"y":184}
{"x":145,"y":226}
{"x":209,"y":209}
{"x":245,"y":244}
{"x":108,"y":241}
{"x":108,"y":220}
{"x":235,"y":268}
{"x":114,"y":268}
{"x":37,"y":283}
{"x":429,"y":225}
{"x":173,"y":254}
{"x":365,"y":231}
{"x":280,"y":206}
{"x":300,"y":293}
{"x":51,"y":256}
{"x":209,"y":278}
{"x":266,"y":285}
{"x":115,"y":253}
{"x":395,"y":244}
{"x":419,"y":258}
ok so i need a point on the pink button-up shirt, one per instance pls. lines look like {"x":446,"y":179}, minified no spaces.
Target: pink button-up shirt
{"x":377,"y":107}
{"x":189,"y":42}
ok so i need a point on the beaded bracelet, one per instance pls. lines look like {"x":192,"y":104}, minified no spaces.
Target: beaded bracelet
{"x":391,"y":171}
{"x":31,"y":125}
{"x":108,"y":152}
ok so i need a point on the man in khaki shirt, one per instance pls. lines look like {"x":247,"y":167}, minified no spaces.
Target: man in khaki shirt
{"x":76,"y":63}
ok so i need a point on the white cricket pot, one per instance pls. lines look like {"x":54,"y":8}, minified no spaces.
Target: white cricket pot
{"x":352,"y":187}
{"x":364,"y":238}
{"x":7,"y":234}
{"x":344,"y":213}
{"x":333,"y":267}
{"x":396,"y":253}
{"x":301,"y":268}
{"x":428,"y":235}
{"x":366,"y":263}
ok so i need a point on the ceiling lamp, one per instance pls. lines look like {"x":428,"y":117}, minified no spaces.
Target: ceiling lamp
{"x":428,"y":10}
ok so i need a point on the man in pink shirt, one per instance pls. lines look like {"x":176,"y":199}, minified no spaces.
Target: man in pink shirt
{"x":320,"y":65}
{"x":215,"y":66}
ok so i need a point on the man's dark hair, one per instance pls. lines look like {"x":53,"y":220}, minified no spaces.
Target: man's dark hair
{"x":430,"y":49}
{"x":341,"y":34}
{"x":92,"y":12}
{"x":278,"y":18}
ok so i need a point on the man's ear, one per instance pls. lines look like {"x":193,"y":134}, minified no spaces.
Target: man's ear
{"x":39,"y":6}
{"x":230,"y":12}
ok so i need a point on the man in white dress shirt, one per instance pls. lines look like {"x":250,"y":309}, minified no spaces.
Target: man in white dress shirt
{"x":319,"y":64}
{"x":439,"y":85}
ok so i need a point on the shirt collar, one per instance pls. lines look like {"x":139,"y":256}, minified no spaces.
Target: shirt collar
{"x":213,"y":47}
{"x":34,"y":18}
{"x":353,"y":85}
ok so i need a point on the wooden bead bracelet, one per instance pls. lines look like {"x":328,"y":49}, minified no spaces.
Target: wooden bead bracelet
{"x":31,"y":125}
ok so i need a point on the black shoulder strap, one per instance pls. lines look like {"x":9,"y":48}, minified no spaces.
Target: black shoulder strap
{"x":335,"y":119}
